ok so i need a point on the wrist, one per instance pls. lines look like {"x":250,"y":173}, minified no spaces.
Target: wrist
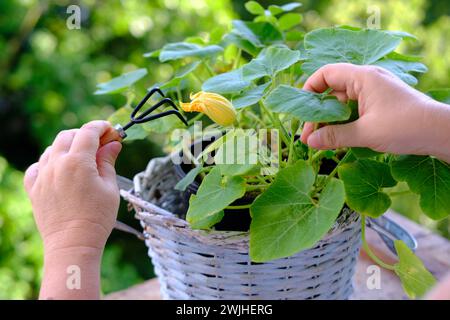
{"x":438,"y":130}
{"x":71,"y":273}
{"x":76,"y":235}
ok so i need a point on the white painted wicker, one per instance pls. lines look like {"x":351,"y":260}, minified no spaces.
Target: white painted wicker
{"x":196,"y":264}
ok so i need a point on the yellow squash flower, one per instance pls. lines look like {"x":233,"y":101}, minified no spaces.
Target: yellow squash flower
{"x":218,"y":108}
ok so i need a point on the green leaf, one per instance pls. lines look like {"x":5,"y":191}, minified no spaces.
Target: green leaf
{"x":249,"y":97}
{"x":294,"y":35}
{"x":214,"y":194}
{"x":239,"y":41}
{"x":179,"y":50}
{"x":152,"y":54}
{"x":402,"y":34}
{"x":275,"y":9}
{"x":180,"y":74}
{"x":254,"y":8}
{"x":286,"y":219}
{"x":428,"y":177}
{"x":402,"y":69}
{"x":186,"y":69}
{"x":442,"y":95}
{"x":188,"y":179}
{"x":416,"y":279}
{"x":238,"y":155}
{"x":364,"y":153}
{"x":121,"y":82}
{"x":258,"y":33}
{"x":289,"y":20}
{"x":333,"y":45}
{"x":229,"y":82}
{"x":364,"y":181}
{"x":269,"y":62}
{"x":306,"y":106}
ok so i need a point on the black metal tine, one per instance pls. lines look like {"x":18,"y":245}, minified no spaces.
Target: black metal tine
{"x":141,"y":118}
{"x":144,"y":116}
{"x":163,"y":114}
{"x":144,"y":100}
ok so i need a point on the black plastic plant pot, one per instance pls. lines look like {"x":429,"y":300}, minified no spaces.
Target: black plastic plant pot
{"x":233,"y":220}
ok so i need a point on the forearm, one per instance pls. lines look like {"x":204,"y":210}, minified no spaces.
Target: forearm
{"x":71,"y":273}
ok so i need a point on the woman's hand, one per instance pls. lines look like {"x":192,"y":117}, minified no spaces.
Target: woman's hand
{"x":393,"y":117}
{"x":75,"y":199}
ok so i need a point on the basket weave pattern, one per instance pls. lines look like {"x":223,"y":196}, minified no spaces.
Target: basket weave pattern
{"x":197,"y":264}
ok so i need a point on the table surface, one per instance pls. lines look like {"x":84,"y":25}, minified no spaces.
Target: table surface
{"x":433,"y":249}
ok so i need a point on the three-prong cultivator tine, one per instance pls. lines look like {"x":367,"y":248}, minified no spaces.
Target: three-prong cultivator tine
{"x":146,"y":115}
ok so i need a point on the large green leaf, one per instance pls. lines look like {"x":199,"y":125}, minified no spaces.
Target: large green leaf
{"x":238,"y":155}
{"x":188,"y":178}
{"x":364,"y":181}
{"x":286,"y":219}
{"x":332,"y":45}
{"x":428,"y":177}
{"x":180,"y":74}
{"x":249,"y":97}
{"x":229,"y":82}
{"x":364,"y":153}
{"x":442,"y":95}
{"x":179,"y":50}
{"x":402,"y":69}
{"x":121,"y":82}
{"x":269,"y":62}
{"x":416,"y":279}
{"x":240,"y":41}
{"x":258,"y":33}
{"x":214,"y":194}
{"x":307,"y":106}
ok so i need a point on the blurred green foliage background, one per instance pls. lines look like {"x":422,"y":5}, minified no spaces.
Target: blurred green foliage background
{"x":48,"y":75}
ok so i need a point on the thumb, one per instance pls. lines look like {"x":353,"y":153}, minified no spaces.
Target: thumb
{"x":335,"y":136}
{"x":106,"y":159}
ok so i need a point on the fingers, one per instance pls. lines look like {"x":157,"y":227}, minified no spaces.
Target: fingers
{"x":106,"y":159}
{"x":43,"y":160}
{"x":308,"y":128}
{"x":335,"y":136}
{"x":63,"y":142}
{"x":87,"y":139}
{"x":30,"y":176}
{"x":341,"y":77}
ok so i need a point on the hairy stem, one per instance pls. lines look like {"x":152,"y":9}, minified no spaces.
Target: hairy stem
{"x":367,"y":248}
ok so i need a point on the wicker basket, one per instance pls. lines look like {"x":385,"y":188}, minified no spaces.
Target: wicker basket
{"x":196,"y":264}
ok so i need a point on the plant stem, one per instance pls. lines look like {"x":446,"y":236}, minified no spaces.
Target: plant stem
{"x":367,"y":248}
{"x":237,"y":60}
{"x":333,"y":173}
{"x":399,"y":193}
{"x":197,"y":117}
{"x":318,"y":154}
{"x":250,"y":187}
{"x":275,"y":122}
{"x":208,"y":67}
{"x":244,"y":206}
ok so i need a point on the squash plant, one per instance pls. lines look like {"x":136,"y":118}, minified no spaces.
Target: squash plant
{"x":259,"y":67}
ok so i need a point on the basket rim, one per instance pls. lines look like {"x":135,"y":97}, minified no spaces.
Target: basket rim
{"x":166,"y":219}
